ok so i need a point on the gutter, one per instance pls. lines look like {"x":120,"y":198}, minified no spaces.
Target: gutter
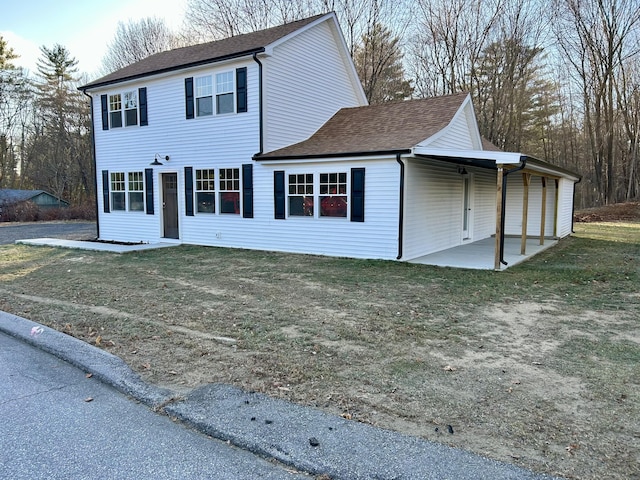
{"x":573,"y":204}
{"x":95,"y":164}
{"x":255,"y":58}
{"x":401,"y":213}
{"x":523,"y":164}
{"x":268,"y":157}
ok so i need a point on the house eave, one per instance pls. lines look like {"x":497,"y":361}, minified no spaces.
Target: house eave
{"x":491,"y":159}
{"x":315,"y":156}
{"x":247,"y":53}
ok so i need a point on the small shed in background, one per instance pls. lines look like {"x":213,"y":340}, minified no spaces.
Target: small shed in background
{"x":39,"y":198}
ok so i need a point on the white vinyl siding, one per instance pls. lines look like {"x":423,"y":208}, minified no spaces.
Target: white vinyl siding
{"x":461,"y":133}
{"x":225,"y":141}
{"x":304,"y":86}
{"x":565,"y":206}
{"x":433,"y":206}
{"x":514,"y":206}
{"x":376,"y":237}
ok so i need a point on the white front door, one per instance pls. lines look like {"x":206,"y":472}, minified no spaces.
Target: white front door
{"x":467,"y":202}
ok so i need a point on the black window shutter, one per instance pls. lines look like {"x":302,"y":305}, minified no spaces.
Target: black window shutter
{"x":241,"y":89}
{"x":357,"y":194}
{"x":247,"y":190}
{"x":142,"y":96}
{"x":105,"y":112}
{"x":188,"y":95}
{"x":105,"y":190}
{"x":188,"y":190}
{"x":148,"y":184}
{"x":279,"y":194}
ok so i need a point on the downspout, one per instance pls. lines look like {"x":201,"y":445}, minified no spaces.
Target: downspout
{"x":95,"y":164}
{"x":401,"y":213}
{"x":523,"y":164}
{"x":255,"y":58}
{"x":573,"y":204}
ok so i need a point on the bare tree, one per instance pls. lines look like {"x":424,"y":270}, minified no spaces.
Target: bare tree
{"x":596,"y":38}
{"x":216,"y":19}
{"x":448,"y":40}
{"x":136,"y":40}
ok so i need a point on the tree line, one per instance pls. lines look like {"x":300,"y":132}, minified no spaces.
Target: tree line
{"x":556,"y":79}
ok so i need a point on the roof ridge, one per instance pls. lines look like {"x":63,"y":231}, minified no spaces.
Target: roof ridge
{"x":203,"y":53}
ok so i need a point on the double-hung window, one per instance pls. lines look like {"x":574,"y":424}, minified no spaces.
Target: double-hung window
{"x":136,"y":192}
{"x":204,"y":96}
{"x":333,"y":194}
{"x":230,"y":190}
{"x":118,"y":191}
{"x":130,"y":108}
{"x":115,"y":110}
{"x":224,"y":92}
{"x":205,"y":191}
{"x":301,"y":194}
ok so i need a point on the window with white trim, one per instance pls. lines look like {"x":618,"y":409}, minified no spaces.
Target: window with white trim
{"x":136,"y":192}
{"x":224,"y":92}
{"x":130,"y":108}
{"x":204,"y":96}
{"x":333,"y":198}
{"x":229,"y":190}
{"x":115,"y":110}
{"x":205,"y":191}
{"x":301,"y":195}
{"x":118,"y":191}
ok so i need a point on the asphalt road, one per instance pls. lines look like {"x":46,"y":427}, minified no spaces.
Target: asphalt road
{"x":10,"y":232}
{"x":59,"y":424}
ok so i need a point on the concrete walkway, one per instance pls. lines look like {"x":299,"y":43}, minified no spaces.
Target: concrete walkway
{"x":306,"y":439}
{"x":98,"y":246}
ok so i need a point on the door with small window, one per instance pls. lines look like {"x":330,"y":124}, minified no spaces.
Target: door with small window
{"x":170,"y":205}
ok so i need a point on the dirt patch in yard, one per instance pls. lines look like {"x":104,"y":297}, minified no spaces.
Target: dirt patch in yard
{"x":536,"y":366}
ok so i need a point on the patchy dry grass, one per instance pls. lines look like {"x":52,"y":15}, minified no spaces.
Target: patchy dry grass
{"x":537,"y":365}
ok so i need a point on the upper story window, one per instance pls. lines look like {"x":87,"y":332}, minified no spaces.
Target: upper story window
{"x":229,"y":89}
{"x":115,"y":110}
{"x":204,"y":96}
{"x":130,"y":108}
{"x":127,"y":109}
{"x":224,"y":92}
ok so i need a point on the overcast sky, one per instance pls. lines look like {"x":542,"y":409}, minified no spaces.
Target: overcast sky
{"x":84,"y":27}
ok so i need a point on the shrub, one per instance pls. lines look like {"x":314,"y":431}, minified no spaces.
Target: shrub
{"x":30,"y":212}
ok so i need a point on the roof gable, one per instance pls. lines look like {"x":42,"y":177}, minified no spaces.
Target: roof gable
{"x":204,"y":53}
{"x":386,"y":127}
{"x":462,"y":127}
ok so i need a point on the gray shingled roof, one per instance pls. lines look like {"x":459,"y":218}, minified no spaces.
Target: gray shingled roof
{"x":377,"y":128}
{"x":202,"y":54}
{"x":9,"y":196}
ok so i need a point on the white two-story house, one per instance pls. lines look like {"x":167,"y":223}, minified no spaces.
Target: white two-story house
{"x":266,"y":141}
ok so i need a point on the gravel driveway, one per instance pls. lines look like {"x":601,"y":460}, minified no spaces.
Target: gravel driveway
{"x":10,"y":232}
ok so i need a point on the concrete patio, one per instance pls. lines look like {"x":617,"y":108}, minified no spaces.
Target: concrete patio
{"x":480,"y":255}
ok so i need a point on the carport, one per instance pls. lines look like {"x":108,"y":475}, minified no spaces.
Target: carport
{"x":504,"y":248}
